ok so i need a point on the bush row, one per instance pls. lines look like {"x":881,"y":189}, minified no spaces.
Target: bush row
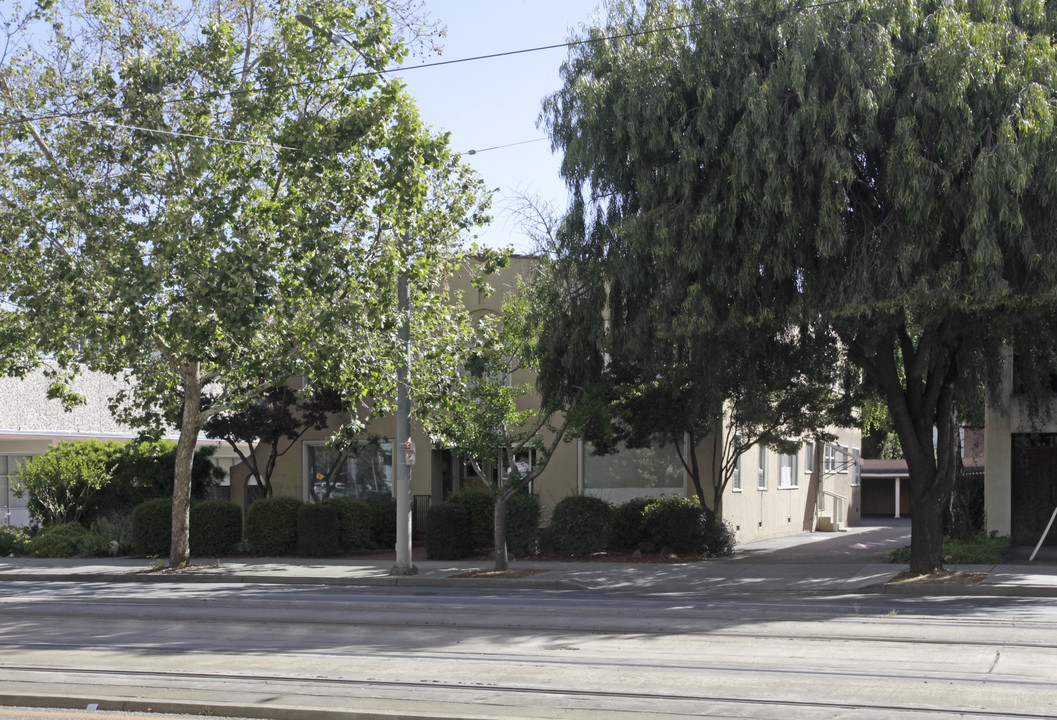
{"x":465,"y":522}
{"x":274,"y":526}
{"x":582,"y":525}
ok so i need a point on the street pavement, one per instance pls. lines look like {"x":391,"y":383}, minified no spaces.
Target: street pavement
{"x":851,"y":561}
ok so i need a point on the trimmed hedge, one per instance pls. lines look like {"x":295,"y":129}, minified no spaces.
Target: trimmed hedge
{"x":354,"y":518}
{"x":318,"y":531}
{"x":383,"y":523}
{"x":676,"y":524}
{"x":152,"y":527}
{"x":522,"y":524}
{"x":480,"y":504}
{"x":448,"y":532}
{"x":629,"y":525}
{"x":682,"y":526}
{"x":580,"y":525}
{"x":271,"y":526}
{"x":216,"y":527}
{"x":57,"y":541}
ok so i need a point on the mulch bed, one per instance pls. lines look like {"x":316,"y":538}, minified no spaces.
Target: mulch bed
{"x":497,"y":573}
{"x":176,"y":570}
{"x":944,"y":577}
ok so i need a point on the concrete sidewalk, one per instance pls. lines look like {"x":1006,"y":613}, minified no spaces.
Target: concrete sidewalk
{"x":811,"y":562}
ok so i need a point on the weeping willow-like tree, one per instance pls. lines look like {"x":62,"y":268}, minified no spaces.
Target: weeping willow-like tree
{"x":884,"y":174}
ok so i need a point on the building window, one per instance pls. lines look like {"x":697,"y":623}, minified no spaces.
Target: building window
{"x":829,"y":459}
{"x":633,"y":472}
{"x":809,"y":458}
{"x":761,"y":469}
{"x":13,"y":509}
{"x":845,"y":460}
{"x":787,"y":471}
{"x":856,"y":468}
{"x":735,"y":478}
{"x":364,"y":472}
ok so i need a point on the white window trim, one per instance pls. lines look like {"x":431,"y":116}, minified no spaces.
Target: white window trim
{"x":761,"y":469}
{"x":794,"y":481}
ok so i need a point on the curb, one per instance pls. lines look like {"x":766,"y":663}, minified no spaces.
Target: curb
{"x":979,"y":590}
{"x":408,"y":581}
{"x":209,"y":708}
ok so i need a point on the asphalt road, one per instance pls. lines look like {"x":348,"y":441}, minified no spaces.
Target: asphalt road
{"x":309,"y":651}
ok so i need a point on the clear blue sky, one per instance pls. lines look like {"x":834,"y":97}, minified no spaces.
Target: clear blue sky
{"x":497,"y":102}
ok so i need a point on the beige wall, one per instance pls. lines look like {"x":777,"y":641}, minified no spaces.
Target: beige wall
{"x":777,"y":510}
{"x":755,"y":514}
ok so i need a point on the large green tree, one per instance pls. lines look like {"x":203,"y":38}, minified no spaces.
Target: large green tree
{"x":212,"y":197}
{"x":885,"y":173}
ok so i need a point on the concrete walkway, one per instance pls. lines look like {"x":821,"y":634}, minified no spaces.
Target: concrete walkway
{"x":852,"y":561}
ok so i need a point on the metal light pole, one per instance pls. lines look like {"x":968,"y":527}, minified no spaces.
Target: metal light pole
{"x":403,"y":452}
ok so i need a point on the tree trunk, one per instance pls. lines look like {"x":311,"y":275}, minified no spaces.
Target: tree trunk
{"x":190,"y":425}
{"x":926,"y":535}
{"x":501,"y":560}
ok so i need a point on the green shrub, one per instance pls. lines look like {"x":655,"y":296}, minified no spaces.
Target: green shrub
{"x":682,"y":526}
{"x":61,"y":485}
{"x":318,"y":531}
{"x":448,"y":532}
{"x":580,"y":525}
{"x":271,"y":526}
{"x":57,"y":541}
{"x":145,"y":470}
{"x":383,"y":523}
{"x":480,"y":504}
{"x":719,"y":536}
{"x":354,"y":516}
{"x":629,"y":525}
{"x":522,"y":524}
{"x":216,"y":528}
{"x":152,"y":527}
{"x":12,"y":540}
{"x":676,"y":524}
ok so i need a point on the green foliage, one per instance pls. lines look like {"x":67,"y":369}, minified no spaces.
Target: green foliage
{"x":383,"y":522}
{"x":61,"y":485}
{"x":522,"y":524}
{"x":271,"y":526}
{"x":109,"y":535}
{"x":57,"y":541}
{"x":980,"y":549}
{"x":12,"y":540}
{"x":676,"y":524}
{"x":580,"y":525}
{"x":140,"y":242}
{"x":144,"y":470}
{"x":216,"y":527}
{"x":868,"y":185}
{"x":480,"y":504}
{"x":318,"y":531}
{"x":629,"y":524}
{"x":448,"y":532}
{"x":152,"y":527}
{"x":354,"y":516}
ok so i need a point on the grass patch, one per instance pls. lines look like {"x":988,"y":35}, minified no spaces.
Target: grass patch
{"x":978,"y":550}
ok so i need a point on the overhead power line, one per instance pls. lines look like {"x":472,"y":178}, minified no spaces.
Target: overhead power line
{"x":442,"y":63}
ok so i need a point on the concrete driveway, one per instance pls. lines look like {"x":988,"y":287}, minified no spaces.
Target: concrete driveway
{"x":871,"y":542}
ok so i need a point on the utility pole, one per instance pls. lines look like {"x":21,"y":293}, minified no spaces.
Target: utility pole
{"x":403,"y":451}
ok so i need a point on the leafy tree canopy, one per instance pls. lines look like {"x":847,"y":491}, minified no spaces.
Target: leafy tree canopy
{"x":213,"y":194}
{"x":884,"y":174}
